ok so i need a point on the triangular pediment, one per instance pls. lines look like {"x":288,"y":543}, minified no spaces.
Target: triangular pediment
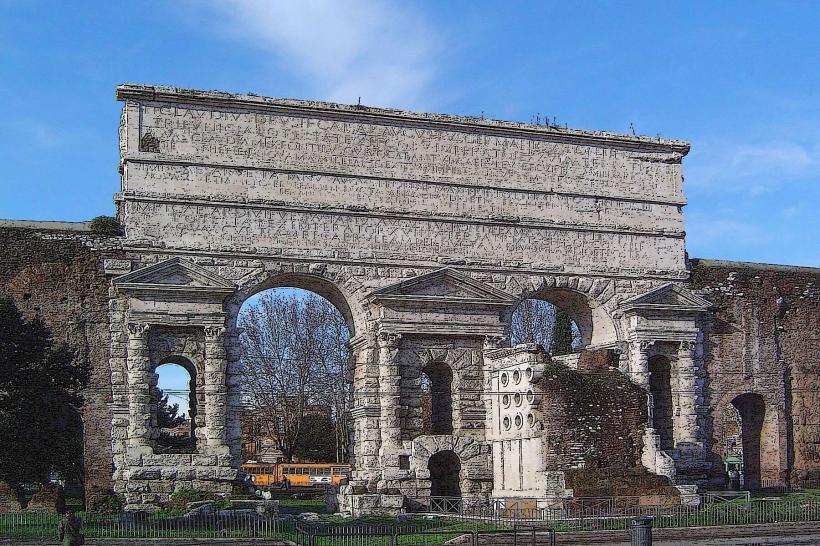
{"x":667,"y":297}
{"x":445,"y":285}
{"x":175,"y":274}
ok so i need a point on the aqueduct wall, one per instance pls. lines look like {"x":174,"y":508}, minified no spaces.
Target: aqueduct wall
{"x":425,"y":231}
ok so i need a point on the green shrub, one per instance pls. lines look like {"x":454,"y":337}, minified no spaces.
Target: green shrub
{"x":181,"y":497}
{"x":107,"y":503}
{"x":107,"y":225}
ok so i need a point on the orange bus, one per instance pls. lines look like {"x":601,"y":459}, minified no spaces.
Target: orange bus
{"x":296,"y":474}
{"x":260,"y":474}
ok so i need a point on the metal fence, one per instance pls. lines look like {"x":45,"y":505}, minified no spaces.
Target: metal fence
{"x":596,"y":514}
{"x":237,"y":523}
{"x":426,"y":534}
{"x":476,"y":521}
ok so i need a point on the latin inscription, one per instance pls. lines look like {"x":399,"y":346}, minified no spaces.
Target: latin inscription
{"x":364,"y":237}
{"x":398,"y":196}
{"x":408,"y":152}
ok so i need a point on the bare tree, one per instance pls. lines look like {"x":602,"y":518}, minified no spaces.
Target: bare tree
{"x":534,"y":321}
{"x":294,"y":360}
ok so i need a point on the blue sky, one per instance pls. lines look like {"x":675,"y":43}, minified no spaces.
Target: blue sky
{"x":740,"y":80}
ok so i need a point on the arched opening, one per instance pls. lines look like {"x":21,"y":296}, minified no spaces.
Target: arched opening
{"x":752,"y":410}
{"x":174,"y":405}
{"x":295,"y":384}
{"x":445,"y":474}
{"x":437,"y":399}
{"x":660,"y":377}
{"x":539,"y":321}
{"x":590,"y":322}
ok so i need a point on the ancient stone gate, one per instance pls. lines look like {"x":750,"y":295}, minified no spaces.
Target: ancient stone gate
{"x":425,"y":231}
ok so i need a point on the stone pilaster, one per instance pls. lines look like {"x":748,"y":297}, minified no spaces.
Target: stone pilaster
{"x":688,"y":398}
{"x":389,"y":399}
{"x":639,"y":365}
{"x":365,"y":414}
{"x":234,"y":380}
{"x":139,"y":395}
{"x":216,"y":391}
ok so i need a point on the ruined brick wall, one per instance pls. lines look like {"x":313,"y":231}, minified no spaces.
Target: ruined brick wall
{"x":58,"y":276}
{"x":593,"y":426}
{"x":764,"y":338}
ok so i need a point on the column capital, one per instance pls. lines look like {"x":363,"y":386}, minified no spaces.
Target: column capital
{"x":214,"y":331}
{"x":492,"y":342}
{"x":388,"y":340}
{"x":644,"y":345}
{"x":687,"y":348}
{"x":138,"y":329}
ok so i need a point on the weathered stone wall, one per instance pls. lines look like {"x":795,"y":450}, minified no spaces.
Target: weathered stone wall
{"x":58,"y":275}
{"x":763,"y":338}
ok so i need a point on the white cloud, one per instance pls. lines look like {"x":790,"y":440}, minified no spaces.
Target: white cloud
{"x":754,"y":168}
{"x":383,"y":52}
{"x":791,"y":212}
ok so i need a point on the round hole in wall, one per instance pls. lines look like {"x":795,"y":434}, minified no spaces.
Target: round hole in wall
{"x":519,"y":421}
{"x":516,"y":377}
{"x":528,"y":371}
{"x":505,"y":400}
{"x":504,"y":379}
{"x":506,"y":423}
{"x":530,"y":419}
{"x":518,"y":399}
{"x":530,"y":397}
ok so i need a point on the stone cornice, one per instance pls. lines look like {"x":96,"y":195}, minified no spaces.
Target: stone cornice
{"x":150,"y":93}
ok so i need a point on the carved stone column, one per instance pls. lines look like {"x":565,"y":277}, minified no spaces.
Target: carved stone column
{"x":689,"y":396}
{"x":639,"y":369}
{"x":216,"y":391}
{"x":389,"y":399}
{"x":139,"y":393}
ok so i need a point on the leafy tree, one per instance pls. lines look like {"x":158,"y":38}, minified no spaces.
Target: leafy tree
{"x":562,"y":337}
{"x":40,"y":384}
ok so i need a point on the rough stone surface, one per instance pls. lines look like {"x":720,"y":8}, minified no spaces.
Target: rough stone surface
{"x":49,"y":499}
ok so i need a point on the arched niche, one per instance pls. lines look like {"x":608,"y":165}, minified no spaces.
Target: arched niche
{"x":751,"y":408}
{"x":445,"y":474}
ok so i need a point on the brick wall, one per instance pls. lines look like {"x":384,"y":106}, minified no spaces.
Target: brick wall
{"x":764,"y":338}
{"x":58,"y":275}
{"x":594,"y":419}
